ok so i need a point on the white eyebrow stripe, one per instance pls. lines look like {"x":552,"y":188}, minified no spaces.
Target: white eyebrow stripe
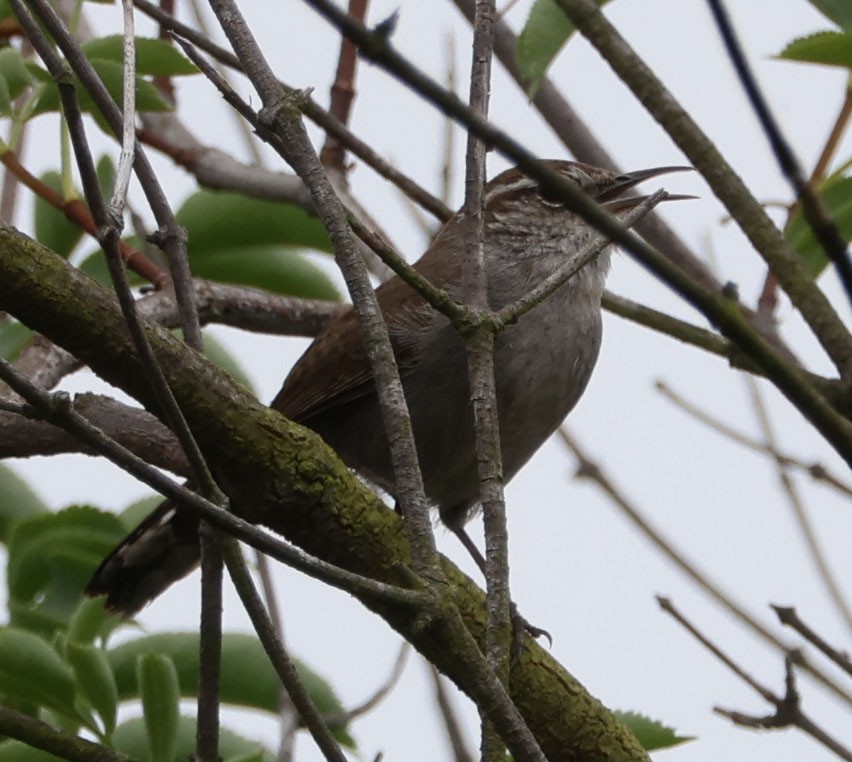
{"x":522,"y":183}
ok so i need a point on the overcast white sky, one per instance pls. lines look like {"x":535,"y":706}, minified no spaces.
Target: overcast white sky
{"x":579,"y":569}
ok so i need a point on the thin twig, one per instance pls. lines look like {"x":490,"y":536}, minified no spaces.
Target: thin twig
{"x":56,"y":408}
{"x":788,"y":616}
{"x":788,"y":710}
{"x":479,"y":346}
{"x":813,"y":208}
{"x":288,"y":719}
{"x":452,"y":724}
{"x":371,"y":702}
{"x":333,"y":155}
{"x":817,"y":471}
{"x":249,"y":140}
{"x":314,"y":112}
{"x":40,"y":735}
{"x":209,"y":647}
{"x":124,"y":169}
{"x":789,"y":488}
{"x":511,"y":313}
{"x":719,"y":308}
{"x":591,"y":470}
{"x":77,"y":211}
{"x":832,"y":143}
{"x":170,"y":236}
{"x":768,"y":241}
{"x":281,"y":115}
{"x":281,"y":661}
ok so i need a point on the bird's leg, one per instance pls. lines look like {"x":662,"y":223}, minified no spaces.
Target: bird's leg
{"x":519,"y":624}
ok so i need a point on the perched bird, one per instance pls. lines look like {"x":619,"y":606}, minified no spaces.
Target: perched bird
{"x":542,"y":365}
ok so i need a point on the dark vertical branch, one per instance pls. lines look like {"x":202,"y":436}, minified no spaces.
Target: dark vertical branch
{"x":209,"y":648}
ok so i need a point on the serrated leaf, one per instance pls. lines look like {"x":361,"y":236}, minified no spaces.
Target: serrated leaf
{"x":827,"y":48}
{"x":130,"y":738}
{"x":545,"y":33}
{"x":838,"y":11}
{"x":95,"y":681}
{"x":51,"y":557}
{"x":154,"y":57}
{"x":158,"y":689}
{"x":52,"y":227}
{"x":148,"y":98}
{"x":18,"y":501}
{"x":246,"y":680}
{"x":836,"y":193}
{"x":31,"y":671}
{"x":651,"y":734}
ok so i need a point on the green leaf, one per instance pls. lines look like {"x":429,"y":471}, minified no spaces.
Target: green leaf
{"x":236,"y":239}
{"x":51,"y":557}
{"x":651,"y":734}
{"x":158,"y":688}
{"x":95,"y":681}
{"x":148,"y":98}
{"x":52,"y":227}
{"x":247,"y":678}
{"x":218,"y":220}
{"x":89,"y":621}
{"x":17,"y":501}
{"x":132,"y":516}
{"x":543,"y":36}
{"x":31,"y":671}
{"x":14,"y":71}
{"x":270,"y":268}
{"x":13,"y":336}
{"x":838,"y":11}
{"x":836,"y":192}
{"x":827,"y":48}
{"x":106,"y":175}
{"x":216,"y":352}
{"x":130,"y":738}
{"x":154,"y":57}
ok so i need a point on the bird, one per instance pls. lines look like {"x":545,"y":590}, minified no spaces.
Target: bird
{"x":542,"y":365}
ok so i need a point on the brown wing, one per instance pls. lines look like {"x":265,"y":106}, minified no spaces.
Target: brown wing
{"x":311,"y":388}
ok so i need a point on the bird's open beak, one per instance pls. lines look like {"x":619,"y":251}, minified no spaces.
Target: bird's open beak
{"x":612,"y":197}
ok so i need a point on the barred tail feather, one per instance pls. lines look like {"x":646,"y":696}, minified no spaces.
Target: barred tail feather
{"x":161,"y":550}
